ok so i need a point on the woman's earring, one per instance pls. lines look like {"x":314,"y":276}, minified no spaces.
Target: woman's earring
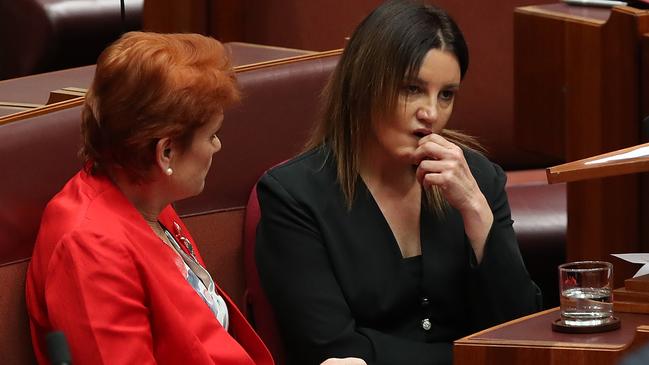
{"x":169,"y":171}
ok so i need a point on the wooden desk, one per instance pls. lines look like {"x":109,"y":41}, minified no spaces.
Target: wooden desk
{"x":35,"y":89}
{"x":26,"y":94}
{"x":578,"y":83}
{"x":531,"y":341}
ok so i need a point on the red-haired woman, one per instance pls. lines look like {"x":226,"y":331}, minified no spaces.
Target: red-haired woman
{"x":114,"y":267}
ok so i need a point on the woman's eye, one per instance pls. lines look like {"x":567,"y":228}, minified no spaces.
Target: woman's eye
{"x":412,"y":89}
{"x":447,"y":95}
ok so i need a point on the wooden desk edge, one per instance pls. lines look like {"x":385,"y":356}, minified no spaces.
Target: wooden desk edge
{"x":537,"y":10}
{"x":579,"y":170}
{"x":513,"y":321}
{"x":265,"y":46}
{"x":641,"y":335}
{"x":54,"y":107}
{"x":287,"y":60}
{"x":559,"y":15}
{"x":540,"y":344}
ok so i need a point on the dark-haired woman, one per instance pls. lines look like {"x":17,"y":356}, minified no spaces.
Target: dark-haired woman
{"x":391,"y":236}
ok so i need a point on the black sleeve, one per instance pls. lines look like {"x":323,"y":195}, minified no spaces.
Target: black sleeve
{"x":501,"y":279}
{"x":299,"y":279}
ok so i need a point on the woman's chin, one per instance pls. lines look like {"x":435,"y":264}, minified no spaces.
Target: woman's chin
{"x":199,"y":190}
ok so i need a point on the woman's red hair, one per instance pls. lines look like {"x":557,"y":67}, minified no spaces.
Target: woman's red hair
{"x":149,"y":86}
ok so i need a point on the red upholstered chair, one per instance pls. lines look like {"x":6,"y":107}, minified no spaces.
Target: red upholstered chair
{"x":257,"y":308}
{"x":45,"y":35}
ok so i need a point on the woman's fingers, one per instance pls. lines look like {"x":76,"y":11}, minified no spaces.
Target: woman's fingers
{"x":442,"y":163}
{"x":434,"y":137}
{"x":436,"y":172}
{"x":436,"y":147}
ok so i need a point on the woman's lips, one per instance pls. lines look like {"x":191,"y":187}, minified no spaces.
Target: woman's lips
{"x":421,"y":133}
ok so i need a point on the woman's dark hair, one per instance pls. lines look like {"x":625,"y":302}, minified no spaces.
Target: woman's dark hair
{"x":386,"y":49}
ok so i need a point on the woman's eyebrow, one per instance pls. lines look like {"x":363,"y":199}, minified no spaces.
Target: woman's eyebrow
{"x":420,"y":82}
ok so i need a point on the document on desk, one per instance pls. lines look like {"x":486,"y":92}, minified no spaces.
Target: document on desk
{"x":604,"y":3}
{"x":638,"y":152}
{"x":636,"y":258}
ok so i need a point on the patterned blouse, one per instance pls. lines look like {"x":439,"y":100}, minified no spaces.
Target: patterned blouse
{"x":200,"y":280}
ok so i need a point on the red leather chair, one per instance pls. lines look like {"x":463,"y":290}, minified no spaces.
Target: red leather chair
{"x":257,"y":308}
{"x":46,"y":35}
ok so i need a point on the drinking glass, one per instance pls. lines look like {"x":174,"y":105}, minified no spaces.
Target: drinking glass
{"x":586,"y":293}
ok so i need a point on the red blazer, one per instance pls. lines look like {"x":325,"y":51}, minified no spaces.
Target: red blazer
{"x":101,"y":275}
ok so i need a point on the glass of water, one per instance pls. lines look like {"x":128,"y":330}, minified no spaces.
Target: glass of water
{"x":586,"y":293}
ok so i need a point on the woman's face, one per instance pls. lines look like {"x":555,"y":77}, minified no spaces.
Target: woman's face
{"x":191,"y":165}
{"x":423,"y":107}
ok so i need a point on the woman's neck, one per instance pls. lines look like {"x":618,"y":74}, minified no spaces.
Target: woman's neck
{"x":146,"y":197}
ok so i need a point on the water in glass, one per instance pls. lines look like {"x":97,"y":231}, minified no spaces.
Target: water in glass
{"x":586,"y":306}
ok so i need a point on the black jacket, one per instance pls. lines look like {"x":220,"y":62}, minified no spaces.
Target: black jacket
{"x":340,"y":286}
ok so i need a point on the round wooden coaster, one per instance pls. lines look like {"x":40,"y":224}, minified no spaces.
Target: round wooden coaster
{"x":610,"y":325}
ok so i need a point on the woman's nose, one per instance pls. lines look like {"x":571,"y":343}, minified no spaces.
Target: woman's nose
{"x":427,"y":112}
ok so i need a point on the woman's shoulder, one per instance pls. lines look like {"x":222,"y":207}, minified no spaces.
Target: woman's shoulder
{"x":313,"y":165}
{"x":87,"y":206}
{"x":309,"y":176}
{"x":477,"y":159}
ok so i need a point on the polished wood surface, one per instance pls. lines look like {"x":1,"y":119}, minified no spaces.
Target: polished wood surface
{"x":531,"y":341}
{"x":634,"y":297}
{"x":577,"y":95}
{"x":588,"y":168}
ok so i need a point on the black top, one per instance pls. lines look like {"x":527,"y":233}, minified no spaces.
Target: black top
{"x":340,"y":286}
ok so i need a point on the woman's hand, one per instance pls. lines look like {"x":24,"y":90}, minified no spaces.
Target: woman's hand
{"x":345,"y":361}
{"x":441,"y":163}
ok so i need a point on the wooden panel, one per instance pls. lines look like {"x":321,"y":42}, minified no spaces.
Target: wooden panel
{"x":644,"y":113}
{"x":603,"y":214}
{"x":227,"y":20}
{"x":592,"y":107}
{"x":219,"y":236}
{"x":538,"y":84}
{"x":168,"y":16}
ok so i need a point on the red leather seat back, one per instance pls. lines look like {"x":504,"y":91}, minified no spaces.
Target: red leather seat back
{"x":37,"y":156}
{"x":45,"y":35}
{"x":258,"y":309}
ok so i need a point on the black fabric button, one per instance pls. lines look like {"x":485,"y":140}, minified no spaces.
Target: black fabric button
{"x":425,"y":302}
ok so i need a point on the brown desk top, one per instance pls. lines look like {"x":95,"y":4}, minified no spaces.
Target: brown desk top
{"x":589,"y":14}
{"x":536,"y":331}
{"x":35,"y":89}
